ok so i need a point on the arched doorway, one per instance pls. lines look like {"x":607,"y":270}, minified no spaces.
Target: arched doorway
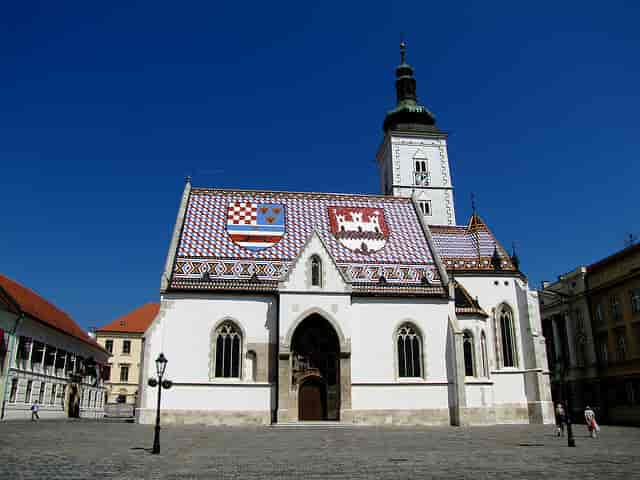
{"x":315,"y":350}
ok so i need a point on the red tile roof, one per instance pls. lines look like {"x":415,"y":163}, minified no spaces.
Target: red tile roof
{"x":32,"y":304}
{"x":136,"y":321}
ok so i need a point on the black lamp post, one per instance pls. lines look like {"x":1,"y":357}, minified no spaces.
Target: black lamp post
{"x":161,"y":365}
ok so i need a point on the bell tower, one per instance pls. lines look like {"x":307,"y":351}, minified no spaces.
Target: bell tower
{"x":413,"y":158}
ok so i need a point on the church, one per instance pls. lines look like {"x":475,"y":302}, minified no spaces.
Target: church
{"x":283,"y":307}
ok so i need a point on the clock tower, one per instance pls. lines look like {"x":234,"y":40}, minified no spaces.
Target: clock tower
{"x":413,"y":159}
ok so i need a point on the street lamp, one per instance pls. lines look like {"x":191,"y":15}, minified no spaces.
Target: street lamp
{"x":563,"y":370}
{"x":161,"y":365}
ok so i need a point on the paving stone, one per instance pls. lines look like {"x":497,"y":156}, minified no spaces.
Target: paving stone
{"x":85,"y":450}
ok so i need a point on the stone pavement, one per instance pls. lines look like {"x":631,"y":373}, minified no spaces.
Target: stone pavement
{"x":88,"y":449}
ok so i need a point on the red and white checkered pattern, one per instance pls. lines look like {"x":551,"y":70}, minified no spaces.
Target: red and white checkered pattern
{"x":243,"y":213}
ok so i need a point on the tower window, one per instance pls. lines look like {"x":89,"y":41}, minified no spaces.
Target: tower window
{"x":425,"y":207}
{"x":420,"y":173}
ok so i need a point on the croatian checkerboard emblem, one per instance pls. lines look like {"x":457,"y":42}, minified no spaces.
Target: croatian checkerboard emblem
{"x":255,"y":226}
{"x":360,"y":229}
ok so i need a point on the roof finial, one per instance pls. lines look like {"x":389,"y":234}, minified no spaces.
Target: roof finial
{"x":514,"y":256}
{"x":403,"y":49}
{"x":473,"y":203}
{"x":187,"y":179}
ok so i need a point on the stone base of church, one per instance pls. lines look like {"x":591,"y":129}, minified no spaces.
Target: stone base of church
{"x":205,"y":417}
{"x":431,"y":417}
{"x":508,"y":413}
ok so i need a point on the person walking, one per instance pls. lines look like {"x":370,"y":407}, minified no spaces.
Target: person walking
{"x":561,"y":419}
{"x":34,"y":411}
{"x":590,"y":419}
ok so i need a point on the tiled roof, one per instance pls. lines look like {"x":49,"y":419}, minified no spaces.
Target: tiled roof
{"x":40,"y":309}
{"x":470,"y":247}
{"x":465,"y":303}
{"x":136,"y":321}
{"x":401,"y":253}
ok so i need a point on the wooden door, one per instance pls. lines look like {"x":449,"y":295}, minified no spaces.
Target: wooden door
{"x":312,"y":401}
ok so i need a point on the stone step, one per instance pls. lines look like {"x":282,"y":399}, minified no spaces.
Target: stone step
{"x":314,"y":424}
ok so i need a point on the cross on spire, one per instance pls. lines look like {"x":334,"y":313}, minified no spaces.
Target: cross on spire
{"x":403,"y":51}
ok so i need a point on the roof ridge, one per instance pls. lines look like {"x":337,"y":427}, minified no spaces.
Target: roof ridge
{"x":291,"y":192}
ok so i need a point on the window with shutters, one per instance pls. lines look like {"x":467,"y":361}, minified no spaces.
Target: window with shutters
{"x":227,"y":351}
{"x":409,"y":351}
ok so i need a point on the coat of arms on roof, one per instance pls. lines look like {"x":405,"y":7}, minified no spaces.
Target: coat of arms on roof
{"x":255,"y":226}
{"x":360,"y":229}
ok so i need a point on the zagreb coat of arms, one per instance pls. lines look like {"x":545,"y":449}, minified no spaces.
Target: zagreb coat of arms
{"x":360,"y":229}
{"x":255,"y":226}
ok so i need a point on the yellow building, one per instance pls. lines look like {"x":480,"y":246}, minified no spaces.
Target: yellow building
{"x":123,"y":338}
{"x":614,"y":300}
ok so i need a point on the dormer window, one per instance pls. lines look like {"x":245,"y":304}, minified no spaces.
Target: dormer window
{"x":316,"y":271}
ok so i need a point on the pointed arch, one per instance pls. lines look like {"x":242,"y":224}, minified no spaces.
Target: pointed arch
{"x":315,"y":264}
{"x":409,"y":349}
{"x":484,"y":354}
{"x":227,"y":344}
{"x":344,"y":344}
{"x":468,"y":348}
{"x":506,"y":336}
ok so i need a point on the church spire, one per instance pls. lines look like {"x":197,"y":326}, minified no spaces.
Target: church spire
{"x":408,"y":114}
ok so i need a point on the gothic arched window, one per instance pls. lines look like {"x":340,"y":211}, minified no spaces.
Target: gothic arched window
{"x":409,"y":349}
{"x":468,"y":347}
{"x":483,"y":352}
{"x":316,"y":271}
{"x":228,"y":351}
{"x":507,"y":336}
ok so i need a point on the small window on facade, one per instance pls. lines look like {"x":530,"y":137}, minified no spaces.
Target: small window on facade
{"x":603,"y":350}
{"x":507,"y":334}
{"x":579,"y":321}
{"x":621,"y":348}
{"x":228,"y":346}
{"x":37,"y":354}
{"x":14,"y":390}
{"x":126,"y":347}
{"x":580,"y":351}
{"x":108,"y":345}
{"x":316,"y":271}
{"x":41,"y":393}
{"x":635,"y":300}
{"x":409,"y":349}
{"x":483,"y":351}
{"x":420,"y":173}
{"x":425,"y":207}
{"x":124,"y":373}
{"x":467,"y":345}
{"x":52,"y":396}
{"x":27,"y":394}
{"x":615,"y":308}
{"x":599,"y":315}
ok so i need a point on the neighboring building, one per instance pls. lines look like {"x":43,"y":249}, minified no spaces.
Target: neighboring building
{"x":46,"y":356}
{"x":123,"y":338}
{"x":285,"y":307}
{"x":593,"y":330}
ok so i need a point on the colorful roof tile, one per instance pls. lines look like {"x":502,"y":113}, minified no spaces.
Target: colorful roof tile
{"x":469,"y":248}
{"x":136,"y":321}
{"x":231,"y":236}
{"x":43,"y":311}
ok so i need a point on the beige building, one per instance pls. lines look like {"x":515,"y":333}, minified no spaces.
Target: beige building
{"x":123,"y":338}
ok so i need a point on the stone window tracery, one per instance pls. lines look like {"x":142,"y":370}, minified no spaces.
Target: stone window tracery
{"x":506,"y":333}
{"x":468,"y":349}
{"x":228,"y":351}
{"x":409,"y":350}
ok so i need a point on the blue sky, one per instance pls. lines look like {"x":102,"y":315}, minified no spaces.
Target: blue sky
{"x":107,"y":106}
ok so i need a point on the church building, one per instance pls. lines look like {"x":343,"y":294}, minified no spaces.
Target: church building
{"x":282,"y":307}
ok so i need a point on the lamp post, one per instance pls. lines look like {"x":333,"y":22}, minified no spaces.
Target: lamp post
{"x":564,"y":368}
{"x":161,"y":365}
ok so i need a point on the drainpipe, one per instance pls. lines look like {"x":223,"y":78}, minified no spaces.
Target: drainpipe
{"x":11,"y":359}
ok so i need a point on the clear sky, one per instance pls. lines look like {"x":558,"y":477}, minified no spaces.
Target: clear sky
{"x":106,"y":106}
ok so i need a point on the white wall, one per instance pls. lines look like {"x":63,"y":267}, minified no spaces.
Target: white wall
{"x":400,"y":397}
{"x":183,"y":332}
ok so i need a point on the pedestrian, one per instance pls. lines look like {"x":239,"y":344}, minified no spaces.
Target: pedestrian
{"x":561,"y":419}
{"x":34,"y":411}
{"x":590,"y":419}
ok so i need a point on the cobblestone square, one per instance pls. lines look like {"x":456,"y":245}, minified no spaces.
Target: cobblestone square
{"x":88,"y":449}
